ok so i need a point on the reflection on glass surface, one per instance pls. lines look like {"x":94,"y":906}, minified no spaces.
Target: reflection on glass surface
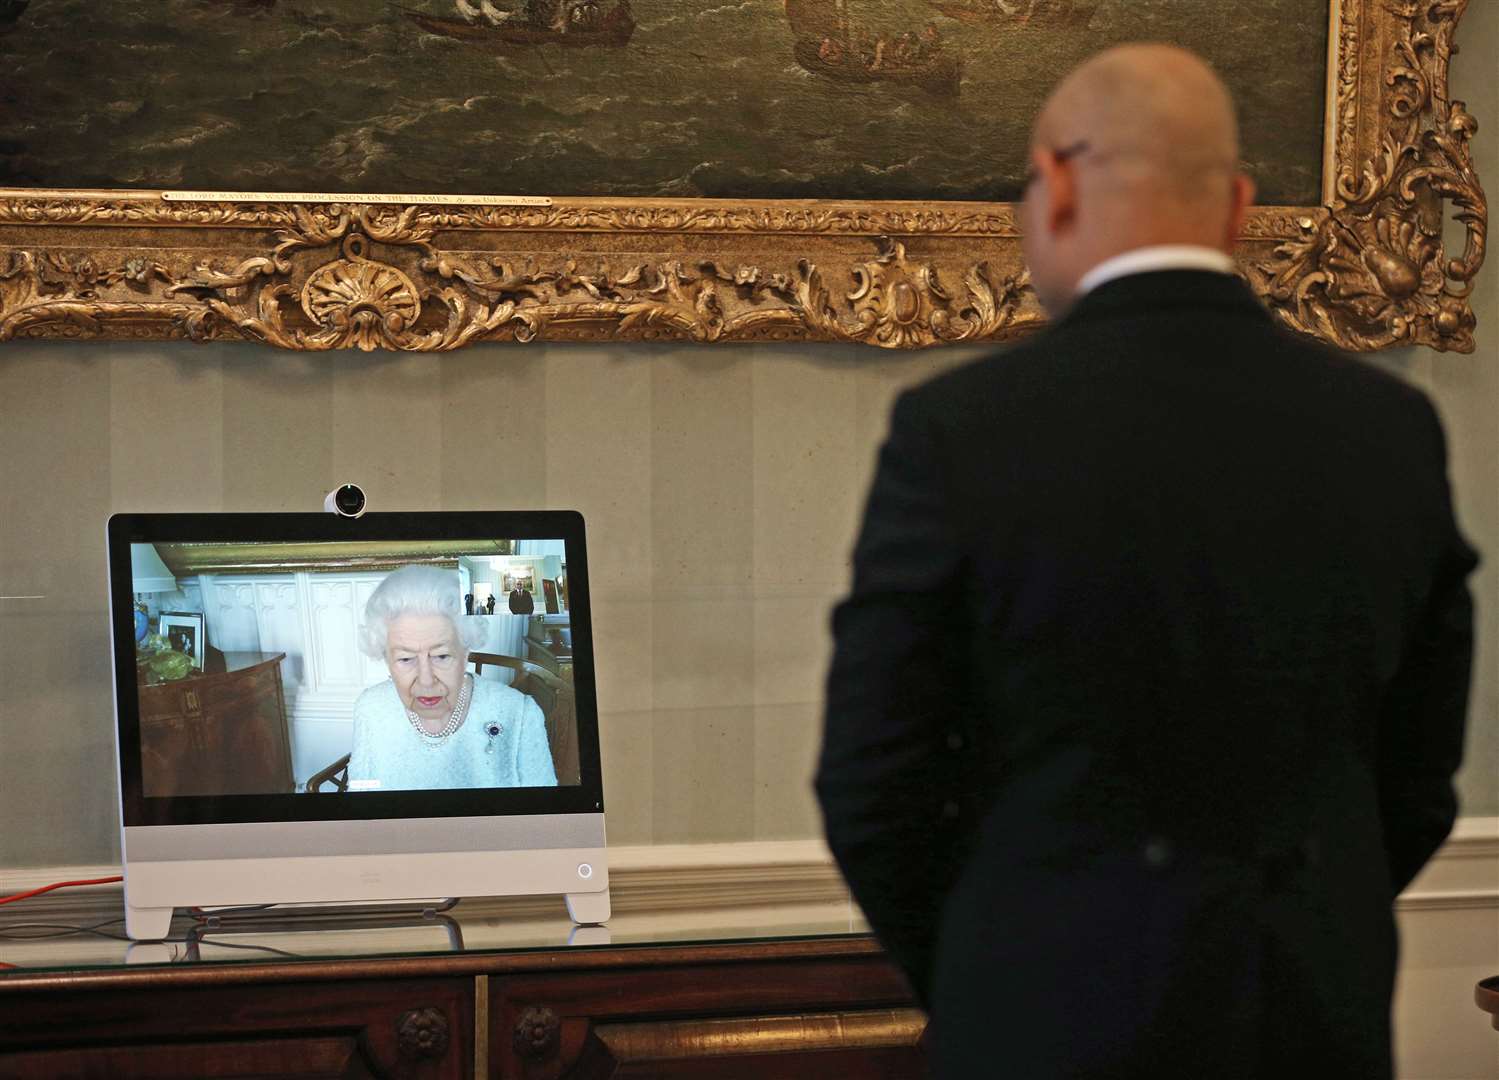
{"x":51,"y":941}
{"x":294,"y":939}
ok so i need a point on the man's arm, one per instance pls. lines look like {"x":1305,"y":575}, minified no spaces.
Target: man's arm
{"x":1424,"y":713}
{"x":886,"y":779}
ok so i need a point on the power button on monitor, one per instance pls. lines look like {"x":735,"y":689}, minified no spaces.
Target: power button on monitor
{"x":585,"y":871}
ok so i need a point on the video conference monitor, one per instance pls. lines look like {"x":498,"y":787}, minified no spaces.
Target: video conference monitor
{"x":315,"y":708}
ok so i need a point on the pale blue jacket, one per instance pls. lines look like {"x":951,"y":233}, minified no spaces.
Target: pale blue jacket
{"x":502,"y":743}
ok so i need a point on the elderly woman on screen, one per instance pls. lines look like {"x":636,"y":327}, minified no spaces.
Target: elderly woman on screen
{"x":432,"y":724}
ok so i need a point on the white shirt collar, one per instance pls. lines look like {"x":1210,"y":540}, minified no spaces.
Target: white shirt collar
{"x":1159,"y":257}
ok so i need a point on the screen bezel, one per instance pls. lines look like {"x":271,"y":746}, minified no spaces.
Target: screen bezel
{"x":138,"y":809}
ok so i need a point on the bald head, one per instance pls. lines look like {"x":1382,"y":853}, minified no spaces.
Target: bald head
{"x":1138,"y":146}
{"x":1152,"y":115}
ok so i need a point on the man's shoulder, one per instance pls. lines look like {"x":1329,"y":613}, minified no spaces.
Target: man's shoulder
{"x":1043,"y":355}
{"x":1359,"y":374}
{"x":1006,"y":378}
{"x":1053,"y":360}
{"x":1364,"y":391}
{"x":957,"y":383}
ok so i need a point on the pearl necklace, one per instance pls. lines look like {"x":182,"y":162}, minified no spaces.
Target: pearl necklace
{"x":455,"y":718}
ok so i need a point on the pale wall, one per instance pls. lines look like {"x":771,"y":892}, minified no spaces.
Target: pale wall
{"x":721,"y":489}
{"x":721,"y":486}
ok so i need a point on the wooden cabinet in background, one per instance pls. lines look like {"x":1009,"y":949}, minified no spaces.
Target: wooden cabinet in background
{"x":218,"y":733}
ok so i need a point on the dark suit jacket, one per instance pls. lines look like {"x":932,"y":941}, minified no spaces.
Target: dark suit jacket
{"x":1149,"y":692}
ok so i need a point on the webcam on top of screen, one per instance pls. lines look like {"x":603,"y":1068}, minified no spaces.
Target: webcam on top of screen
{"x":346,"y":500}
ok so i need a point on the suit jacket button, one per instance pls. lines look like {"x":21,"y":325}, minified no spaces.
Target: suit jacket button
{"x":954,"y":741}
{"x":950,"y":809}
{"x":1156,"y":853}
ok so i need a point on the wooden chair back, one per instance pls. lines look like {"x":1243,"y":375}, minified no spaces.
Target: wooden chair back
{"x":558,"y":705}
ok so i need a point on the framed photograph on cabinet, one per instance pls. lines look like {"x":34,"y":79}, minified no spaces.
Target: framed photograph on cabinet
{"x":332,"y":174}
{"x":184,"y":633}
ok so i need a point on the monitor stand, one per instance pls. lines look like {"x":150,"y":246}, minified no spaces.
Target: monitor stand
{"x":147,"y":924}
{"x":223,"y":916}
{"x":155,"y":923}
{"x":589,"y":908}
{"x":287,"y":931}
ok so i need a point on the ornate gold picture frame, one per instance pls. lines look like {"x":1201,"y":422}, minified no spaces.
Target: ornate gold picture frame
{"x":1365,"y":270}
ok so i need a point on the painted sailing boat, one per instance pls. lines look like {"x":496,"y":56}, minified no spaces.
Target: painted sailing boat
{"x":573,"y":23}
{"x":1018,"y":12}
{"x":830,"y":44}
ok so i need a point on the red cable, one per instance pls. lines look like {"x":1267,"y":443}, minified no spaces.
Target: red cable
{"x":59,"y":885}
{"x":11,"y":899}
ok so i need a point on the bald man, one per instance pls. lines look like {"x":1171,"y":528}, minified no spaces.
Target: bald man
{"x":1148,"y":695}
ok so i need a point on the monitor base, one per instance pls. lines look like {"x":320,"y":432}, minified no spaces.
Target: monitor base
{"x":148,"y":924}
{"x":588,"y":909}
{"x":155,"y":923}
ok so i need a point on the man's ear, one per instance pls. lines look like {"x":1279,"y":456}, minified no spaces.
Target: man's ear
{"x":1060,"y":189}
{"x":1242,"y":198}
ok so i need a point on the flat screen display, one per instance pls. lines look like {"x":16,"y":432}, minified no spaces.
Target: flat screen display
{"x":275,"y":667}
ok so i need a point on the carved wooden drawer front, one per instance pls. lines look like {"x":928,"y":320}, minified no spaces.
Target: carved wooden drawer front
{"x":847,"y":1017}
{"x":419,"y":1029}
{"x":878,"y":1043}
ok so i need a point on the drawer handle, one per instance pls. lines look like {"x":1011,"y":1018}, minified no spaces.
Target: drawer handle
{"x":537,"y":1033}
{"x":422,"y":1033}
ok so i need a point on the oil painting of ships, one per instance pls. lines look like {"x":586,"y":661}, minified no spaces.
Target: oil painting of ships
{"x":830,"y":44}
{"x":573,"y":23}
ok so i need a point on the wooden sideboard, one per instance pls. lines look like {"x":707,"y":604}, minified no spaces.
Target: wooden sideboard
{"x":218,"y":733}
{"x":792,"y":1007}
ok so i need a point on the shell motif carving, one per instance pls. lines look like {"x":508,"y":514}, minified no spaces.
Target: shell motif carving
{"x":356,"y":301}
{"x":1374,"y":272}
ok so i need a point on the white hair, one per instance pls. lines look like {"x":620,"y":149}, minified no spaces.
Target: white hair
{"x":415,"y":590}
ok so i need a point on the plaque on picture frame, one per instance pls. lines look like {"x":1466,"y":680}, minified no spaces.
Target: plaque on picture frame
{"x":335,"y":174}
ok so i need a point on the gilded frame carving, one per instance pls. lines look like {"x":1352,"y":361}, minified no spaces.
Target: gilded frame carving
{"x":1366,"y":270}
{"x":189,"y":558}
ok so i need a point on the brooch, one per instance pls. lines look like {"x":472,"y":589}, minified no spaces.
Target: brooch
{"x":492,"y":730}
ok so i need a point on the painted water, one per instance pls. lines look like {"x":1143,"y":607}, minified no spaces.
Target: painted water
{"x":706,"y":98}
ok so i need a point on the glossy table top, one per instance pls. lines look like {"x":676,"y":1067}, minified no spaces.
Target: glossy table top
{"x":86,"y":932}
